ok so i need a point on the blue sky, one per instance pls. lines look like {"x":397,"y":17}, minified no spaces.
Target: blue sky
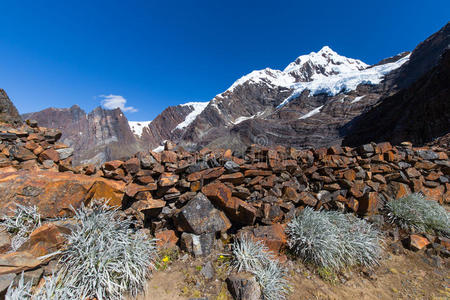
{"x":152,"y":54}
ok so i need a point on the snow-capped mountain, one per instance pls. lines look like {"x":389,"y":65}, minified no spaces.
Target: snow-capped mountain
{"x":324,"y":72}
{"x":138,"y":126}
{"x":313,"y":81}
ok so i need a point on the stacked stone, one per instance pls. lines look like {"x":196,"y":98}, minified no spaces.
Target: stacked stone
{"x":260,"y":190}
{"x":203,"y":197}
{"x":30,"y":147}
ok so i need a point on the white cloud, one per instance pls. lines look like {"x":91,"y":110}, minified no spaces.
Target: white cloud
{"x":116,"y":101}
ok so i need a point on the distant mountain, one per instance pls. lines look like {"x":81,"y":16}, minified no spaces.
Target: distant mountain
{"x":169,"y":125}
{"x":96,"y":137}
{"x":303,"y":105}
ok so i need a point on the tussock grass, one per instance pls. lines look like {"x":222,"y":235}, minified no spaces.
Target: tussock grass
{"x":20,"y":292}
{"x":415,"y":212}
{"x":254,"y":257}
{"x":21,"y":223}
{"x":333,"y":240}
{"x":103,"y":259}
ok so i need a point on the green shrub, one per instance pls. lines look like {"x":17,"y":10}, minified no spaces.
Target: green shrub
{"x":333,"y":240}
{"x":415,"y":212}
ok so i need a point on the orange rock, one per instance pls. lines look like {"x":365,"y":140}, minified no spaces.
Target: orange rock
{"x":52,"y":192}
{"x":168,"y":157}
{"x":16,"y":262}
{"x":220,"y":195}
{"x":148,"y":204}
{"x":235,"y":178}
{"x":113,"y":194}
{"x":272,"y":236}
{"x":349,"y":175}
{"x":290,"y":194}
{"x":46,"y":239}
{"x":353,"y":204}
{"x":49,"y":154}
{"x":417,"y":242}
{"x":253,"y":173}
{"x":434,"y":194}
{"x":400,"y":189}
{"x":384,"y":147}
{"x":308,"y":199}
{"x":167,"y":179}
{"x":7,"y":169}
{"x":166,"y":239}
{"x":112,"y":165}
{"x":228,"y":154}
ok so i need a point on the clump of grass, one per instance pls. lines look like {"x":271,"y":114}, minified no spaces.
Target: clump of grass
{"x":56,"y":287}
{"x":254,"y":257}
{"x":21,"y":223}
{"x":104,"y":259}
{"x":415,"y":212}
{"x":333,"y":240}
{"x":20,"y":292}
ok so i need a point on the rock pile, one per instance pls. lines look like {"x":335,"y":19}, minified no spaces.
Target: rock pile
{"x":201,"y":198}
{"x":31,"y":147}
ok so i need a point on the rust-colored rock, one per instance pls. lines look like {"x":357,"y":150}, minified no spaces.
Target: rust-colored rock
{"x":132,"y":165}
{"x":235,"y":178}
{"x":16,"y":262}
{"x":45,"y":240}
{"x":273,"y":236}
{"x":167,"y":179}
{"x":417,"y":242}
{"x":52,"y":192}
{"x":369,"y":203}
{"x":166,"y":239}
{"x":168,"y":157}
{"x":112,"y":165}
{"x":49,"y":154}
{"x":112,"y":194}
{"x":220,"y":195}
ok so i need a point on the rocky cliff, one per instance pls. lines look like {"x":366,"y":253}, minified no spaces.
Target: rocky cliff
{"x":8,"y":112}
{"x":96,"y":137}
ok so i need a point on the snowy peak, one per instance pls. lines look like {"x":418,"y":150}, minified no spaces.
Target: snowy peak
{"x":197,"y":108}
{"x":305,"y":68}
{"x":138,"y":126}
{"x":326,"y":62}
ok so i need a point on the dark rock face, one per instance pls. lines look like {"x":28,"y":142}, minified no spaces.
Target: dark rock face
{"x":8,"y":112}
{"x":417,"y":114}
{"x":424,"y":57}
{"x":96,"y":137}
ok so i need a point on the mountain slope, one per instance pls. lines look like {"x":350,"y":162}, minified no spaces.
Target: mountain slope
{"x":417,"y":114}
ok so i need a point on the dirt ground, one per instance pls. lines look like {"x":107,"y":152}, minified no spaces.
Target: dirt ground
{"x":406,"y":276}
